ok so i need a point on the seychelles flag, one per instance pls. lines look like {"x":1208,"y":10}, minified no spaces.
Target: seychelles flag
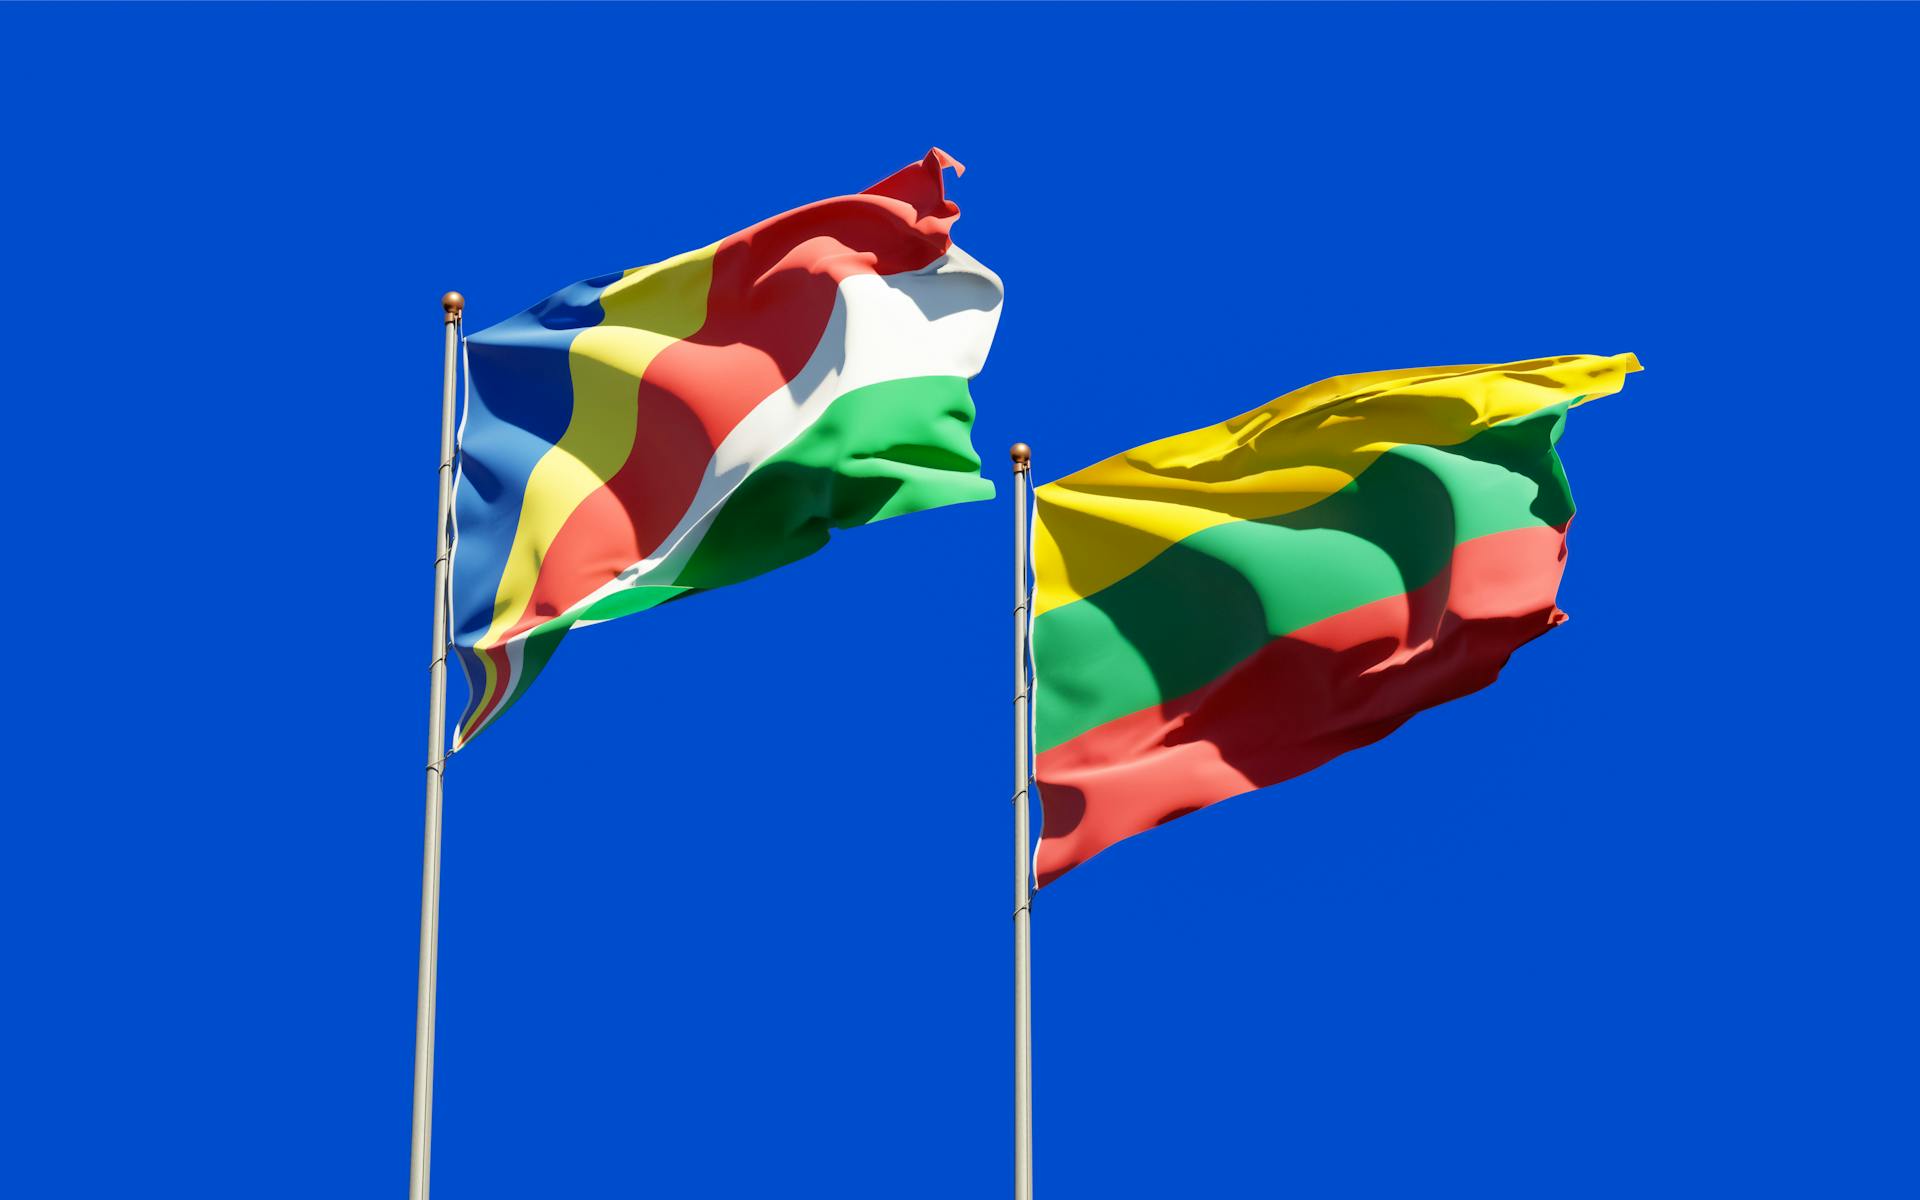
{"x":690,"y":424}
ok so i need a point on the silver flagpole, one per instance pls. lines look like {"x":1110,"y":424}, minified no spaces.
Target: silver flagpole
{"x":1022,"y":852}
{"x":452,"y":302}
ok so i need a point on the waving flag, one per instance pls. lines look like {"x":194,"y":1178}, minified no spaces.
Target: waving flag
{"x":693,"y":423}
{"x":1232,"y":607}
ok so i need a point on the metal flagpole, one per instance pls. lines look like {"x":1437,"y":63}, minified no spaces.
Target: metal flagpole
{"x":452,"y":302}
{"x":1022,"y":851}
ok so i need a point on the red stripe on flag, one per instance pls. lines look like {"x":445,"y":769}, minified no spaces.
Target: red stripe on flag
{"x":1302,"y":699}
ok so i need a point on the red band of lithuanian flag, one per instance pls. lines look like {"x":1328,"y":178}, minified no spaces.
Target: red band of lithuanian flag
{"x":1232,"y":607}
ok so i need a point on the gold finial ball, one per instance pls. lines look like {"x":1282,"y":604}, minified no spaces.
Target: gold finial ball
{"x":1022,"y":453}
{"x":453,"y":302}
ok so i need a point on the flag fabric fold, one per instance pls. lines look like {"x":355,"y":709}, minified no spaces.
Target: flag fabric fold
{"x":1229,"y":608}
{"x":693,"y":423}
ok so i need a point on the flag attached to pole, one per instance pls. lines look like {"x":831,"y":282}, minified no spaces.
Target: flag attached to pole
{"x":697,"y":422}
{"x":1232,"y":607}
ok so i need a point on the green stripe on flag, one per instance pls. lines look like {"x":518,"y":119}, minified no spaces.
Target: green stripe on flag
{"x":877,"y":452}
{"x":1216,"y":597}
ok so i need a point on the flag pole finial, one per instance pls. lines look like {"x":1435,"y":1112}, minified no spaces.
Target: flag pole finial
{"x":453,"y":302}
{"x":1022,"y":454}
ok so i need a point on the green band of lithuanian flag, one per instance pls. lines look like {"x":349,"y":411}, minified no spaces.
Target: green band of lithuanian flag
{"x":1232,"y":607}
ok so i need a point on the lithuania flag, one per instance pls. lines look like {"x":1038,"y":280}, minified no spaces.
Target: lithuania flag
{"x":1232,"y":607}
{"x":693,"y":423}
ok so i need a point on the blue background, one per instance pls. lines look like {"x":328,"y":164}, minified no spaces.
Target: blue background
{"x":726,"y":899}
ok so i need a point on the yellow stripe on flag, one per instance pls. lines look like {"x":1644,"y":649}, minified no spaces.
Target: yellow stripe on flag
{"x":1122,"y":513}
{"x":646,"y":310}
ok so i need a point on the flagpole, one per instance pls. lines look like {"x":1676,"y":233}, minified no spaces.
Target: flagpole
{"x":1022,"y":847}
{"x":452,"y":302}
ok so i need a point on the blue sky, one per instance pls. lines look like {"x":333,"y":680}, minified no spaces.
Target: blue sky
{"x":726,"y":906}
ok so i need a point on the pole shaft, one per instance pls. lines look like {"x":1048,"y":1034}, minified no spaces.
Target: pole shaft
{"x":436,"y":769}
{"x":1022,"y":851}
